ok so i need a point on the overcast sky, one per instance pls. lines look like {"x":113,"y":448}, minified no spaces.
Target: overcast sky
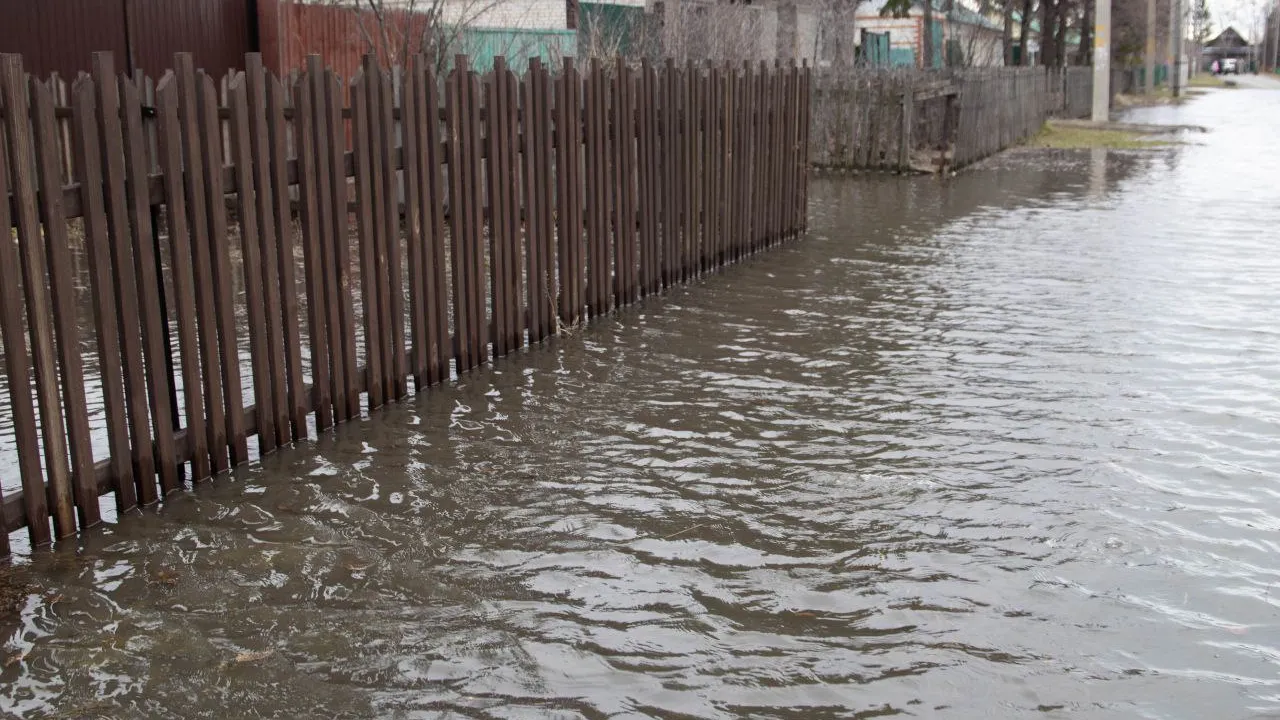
{"x":1243,"y":15}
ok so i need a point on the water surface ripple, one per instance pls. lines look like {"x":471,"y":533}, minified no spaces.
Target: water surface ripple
{"x":987,"y":448}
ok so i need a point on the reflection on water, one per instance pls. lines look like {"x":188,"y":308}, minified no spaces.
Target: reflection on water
{"x":977,"y":449}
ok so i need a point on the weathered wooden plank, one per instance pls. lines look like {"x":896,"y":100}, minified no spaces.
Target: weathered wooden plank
{"x":414,"y":223}
{"x":247,"y":205}
{"x":14,"y":263}
{"x":597,"y":183}
{"x":624,"y":140}
{"x":467,"y":216}
{"x":344,"y":340}
{"x":480,"y":316}
{"x":648,"y":179}
{"x":458,"y":120}
{"x":313,"y":245}
{"x":328,"y":216}
{"x":197,"y":196}
{"x":538,"y":202}
{"x":514,"y":219}
{"x":688,"y":179}
{"x":278,"y":140}
{"x":391,"y":289}
{"x":671,"y":176}
{"x":220,"y":255}
{"x":125,"y":287}
{"x":151,"y":296}
{"x":87,"y":162}
{"x":269,"y":230}
{"x":433,"y":187}
{"x":169,"y":137}
{"x":568,"y":132}
{"x":369,"y":226}
{"x":495,"y":140}
{"x":806,"y":124}
{"x":704,"y":121}
{"x":62,"y":290}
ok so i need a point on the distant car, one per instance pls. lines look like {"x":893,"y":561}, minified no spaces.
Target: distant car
{"x":1231,"y":65}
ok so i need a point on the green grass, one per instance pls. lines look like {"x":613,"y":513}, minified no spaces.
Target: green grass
{"x":1207,"y":80}
{"x":1070,"y":138}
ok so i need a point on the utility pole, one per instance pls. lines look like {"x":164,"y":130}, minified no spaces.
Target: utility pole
{"x":1149,"y":80}
{"x":1175,"y":49}
{"x":1275,"y":37}
{"x":1102,"y":61}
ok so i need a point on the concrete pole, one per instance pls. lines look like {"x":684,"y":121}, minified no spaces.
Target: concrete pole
{"x":1149,"y":81}
{"x":1102,"y":61}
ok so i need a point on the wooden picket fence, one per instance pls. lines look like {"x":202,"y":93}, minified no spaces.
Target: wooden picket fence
{"x":900,"y":120}
{"x":386,"y":233}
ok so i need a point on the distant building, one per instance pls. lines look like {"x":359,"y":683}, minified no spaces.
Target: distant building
{"x":1227,"y":44}
{"x":961,"y":37}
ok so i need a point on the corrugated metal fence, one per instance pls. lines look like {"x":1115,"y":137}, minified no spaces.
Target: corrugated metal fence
{"x":466,"y":219}
{"x":56,"y":36}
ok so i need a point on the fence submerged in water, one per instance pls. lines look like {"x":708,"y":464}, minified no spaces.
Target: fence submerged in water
{"x":934,"y":120}
{"x":385,"y":233}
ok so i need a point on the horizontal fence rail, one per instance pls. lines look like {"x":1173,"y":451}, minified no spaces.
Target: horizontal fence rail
{"x":929,"y":120}
{"x":243,"y":262}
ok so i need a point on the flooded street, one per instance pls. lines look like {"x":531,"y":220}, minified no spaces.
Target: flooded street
{"x":1003,"y":446}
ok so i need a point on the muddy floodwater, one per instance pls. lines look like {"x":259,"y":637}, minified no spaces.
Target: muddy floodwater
{"x":1003,"y":446}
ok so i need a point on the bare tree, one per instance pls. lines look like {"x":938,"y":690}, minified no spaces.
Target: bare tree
{"x":397,"y":29}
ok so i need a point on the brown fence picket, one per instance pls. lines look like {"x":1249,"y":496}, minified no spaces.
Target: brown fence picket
{"x":22,"y":164}
{"x":369,"y":226}
{"x":466,"y":212}
{"x":647,"y":178}
{"x":87,"y":161}
{"x":500,"y":176}
{"x":125,"y":286}
{"x":539,"y":198}
{"x":391,"y":289}
{"x":596,"y":149}
{"x":49,"y":159}
{"x":197,"y":199}
{"x":564,"y":197}
{"x":568,"y":133}
{"x":270,"y":228}
{"x":623,"y":184}
{"x":309,"y":214}
{"x":251,"y":255}
{"x":432,"y":185}
{"x":170,"y":149}
{"x":340,"y":245}
{"x":220,"y":262}
{"x":413,"y":120}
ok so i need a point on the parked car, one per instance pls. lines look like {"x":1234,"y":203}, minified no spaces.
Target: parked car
{"x":1231,"y":65}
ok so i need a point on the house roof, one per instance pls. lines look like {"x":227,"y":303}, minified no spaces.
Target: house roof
{"x":1228,"y":38}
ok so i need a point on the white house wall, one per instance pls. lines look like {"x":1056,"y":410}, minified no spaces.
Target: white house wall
{"x":508,"y":14}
